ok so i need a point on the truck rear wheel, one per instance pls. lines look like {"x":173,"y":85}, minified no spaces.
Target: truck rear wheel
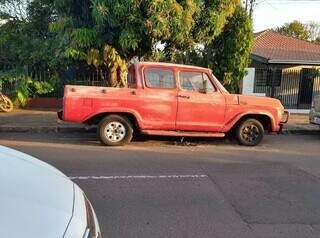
{"x":250,"y":132}
{"x":115,"y":130}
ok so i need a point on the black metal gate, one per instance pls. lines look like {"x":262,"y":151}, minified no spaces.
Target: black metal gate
{"x":294,"y":87}
{"x":307,"y":77}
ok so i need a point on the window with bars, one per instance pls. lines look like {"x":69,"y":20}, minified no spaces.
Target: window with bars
{"x":268,"y":77}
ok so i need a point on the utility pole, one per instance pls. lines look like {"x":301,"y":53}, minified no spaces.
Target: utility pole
{"x":251,"y":7}
{"x":246,"y":5}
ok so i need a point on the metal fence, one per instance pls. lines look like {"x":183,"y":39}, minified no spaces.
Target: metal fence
{"x":294,"y":87}
{"x":88,"y":76}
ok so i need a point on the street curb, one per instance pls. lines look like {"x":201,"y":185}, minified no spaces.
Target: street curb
{"x":68,"y":129}
{"x":300,"y":132}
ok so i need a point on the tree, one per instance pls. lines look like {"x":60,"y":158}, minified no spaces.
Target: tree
{"x":26,"y":41}
{"x":130,"y":28}
{"x":26,"y":48}
{"x":309,"y":31}
{"x":295,"y":29}
{"x":314,"y":30}
{"x":229,"y":54}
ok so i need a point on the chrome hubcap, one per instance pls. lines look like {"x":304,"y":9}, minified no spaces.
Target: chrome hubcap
{"x":250,"y":133}
{"x":115,"y":131}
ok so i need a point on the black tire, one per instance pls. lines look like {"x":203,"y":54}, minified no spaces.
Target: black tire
{"x":115,"y":130}
{"x":250,"y":132}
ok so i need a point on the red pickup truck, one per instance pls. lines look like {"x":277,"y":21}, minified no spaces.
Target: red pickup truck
{"x":171,"y":100}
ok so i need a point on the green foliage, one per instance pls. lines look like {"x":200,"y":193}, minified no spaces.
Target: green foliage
{"x":27,"y":41}
{"x":133,"y":27}
{"x":25,"y":86}
{"x":309,"y":31}
{"x":194,"y":56}
{"x":229,"y":54}
{"x":83,"y":37}
{"x":156,"y":55}
{"x":212,"y":18}
{"x":111,"y":59}
{"x":295,"y":29}
{"x":55,"y":34}
{"x":28,"y":88}
{"x":75,"y":53}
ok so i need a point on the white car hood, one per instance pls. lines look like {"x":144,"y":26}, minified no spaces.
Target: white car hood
{"x":36,"y":200}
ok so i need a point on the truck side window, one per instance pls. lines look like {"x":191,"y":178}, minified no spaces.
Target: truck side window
{"x":159,"y":78}
{"x":195,"y":81}
{"x":131,"y":78}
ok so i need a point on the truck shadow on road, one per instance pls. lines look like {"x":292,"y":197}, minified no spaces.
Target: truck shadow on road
{"x":91,"y":139}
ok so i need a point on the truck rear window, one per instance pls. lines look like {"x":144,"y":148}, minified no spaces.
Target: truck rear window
{"x":159,"y":78}
{"x":132,"y":83}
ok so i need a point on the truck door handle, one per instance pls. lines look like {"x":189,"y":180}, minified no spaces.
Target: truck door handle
{"x":184,"y":96}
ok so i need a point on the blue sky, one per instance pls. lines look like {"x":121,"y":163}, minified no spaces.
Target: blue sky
{"x":272,"y":13}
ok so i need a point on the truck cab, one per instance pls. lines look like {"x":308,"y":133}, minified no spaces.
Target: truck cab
{"x":172,"y":100}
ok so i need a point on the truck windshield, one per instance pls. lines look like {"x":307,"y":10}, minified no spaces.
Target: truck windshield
{"x":220,"y":86}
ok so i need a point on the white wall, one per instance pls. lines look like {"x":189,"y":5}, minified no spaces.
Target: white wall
{"x":248,"y":82}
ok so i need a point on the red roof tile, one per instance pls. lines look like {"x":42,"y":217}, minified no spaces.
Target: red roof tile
{"x":277,"y":48}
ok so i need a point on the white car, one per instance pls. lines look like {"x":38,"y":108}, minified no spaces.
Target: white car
{"x":37,"y":201}
{"x":315,"y":111}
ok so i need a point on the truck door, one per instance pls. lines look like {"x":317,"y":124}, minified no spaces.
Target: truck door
{"x":158,"y":107}
{"x":199,"y":109}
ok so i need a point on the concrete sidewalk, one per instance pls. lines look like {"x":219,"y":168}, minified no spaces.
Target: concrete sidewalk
{"x":299,"y":124}
{"x":44,"y":120}
{"x":36,"y":120}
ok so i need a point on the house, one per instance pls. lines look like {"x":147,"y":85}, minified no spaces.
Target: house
{"x":286,"y":68}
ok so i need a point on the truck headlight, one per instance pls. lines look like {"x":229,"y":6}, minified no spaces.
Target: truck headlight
{"x":281,"y":112}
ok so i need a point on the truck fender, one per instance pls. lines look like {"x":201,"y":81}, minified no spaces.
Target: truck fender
{"x":233,"y":121}
{"x":102,"y":111}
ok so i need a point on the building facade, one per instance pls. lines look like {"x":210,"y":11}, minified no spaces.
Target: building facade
{"x":286,"y":68}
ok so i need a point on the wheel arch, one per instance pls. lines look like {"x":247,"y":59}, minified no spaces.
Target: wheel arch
{"x":95,"y":119}
{"x":265,"y":119}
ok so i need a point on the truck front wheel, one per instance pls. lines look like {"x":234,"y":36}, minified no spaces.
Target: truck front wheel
{"x":115,"y":130}
{"x":250,"y":132}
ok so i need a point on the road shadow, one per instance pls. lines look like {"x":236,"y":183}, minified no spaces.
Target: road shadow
{"x":90,"y":138}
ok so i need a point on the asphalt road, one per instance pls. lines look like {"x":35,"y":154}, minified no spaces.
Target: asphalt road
{"x":165,"y":188}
